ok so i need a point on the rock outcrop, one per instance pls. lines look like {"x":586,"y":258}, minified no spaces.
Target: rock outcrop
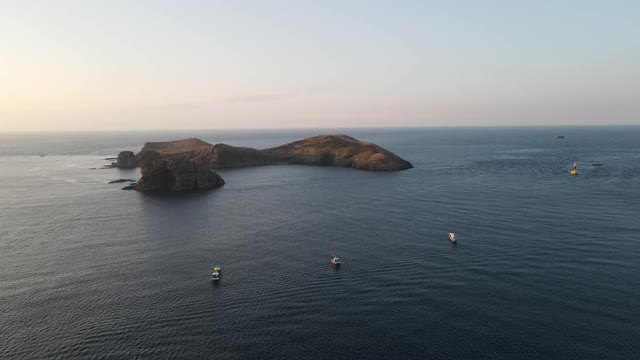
{"x":121,"y":181}
{"x":176,"y":174}
{"x":127,"y":159}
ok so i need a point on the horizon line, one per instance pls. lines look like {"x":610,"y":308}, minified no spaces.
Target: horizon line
{"x":320,"y":128}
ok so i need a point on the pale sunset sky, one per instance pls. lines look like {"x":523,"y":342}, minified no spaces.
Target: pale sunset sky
{"x":119,"y":65}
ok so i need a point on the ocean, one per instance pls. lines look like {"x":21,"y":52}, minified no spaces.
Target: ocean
{"x":547,"y":265}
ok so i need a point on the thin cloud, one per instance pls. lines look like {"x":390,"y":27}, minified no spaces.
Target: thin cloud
{"x":238,"y":99}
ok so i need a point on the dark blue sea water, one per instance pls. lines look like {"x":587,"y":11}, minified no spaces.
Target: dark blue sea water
{"x":547,"y":267}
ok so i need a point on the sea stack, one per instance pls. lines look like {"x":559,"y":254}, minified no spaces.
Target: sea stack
{"x":127,"y":159}
{"x":175,"y":175}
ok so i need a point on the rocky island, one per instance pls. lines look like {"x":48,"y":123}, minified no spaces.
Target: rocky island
{"x":127,"y":159}
{"x":190,"y":164}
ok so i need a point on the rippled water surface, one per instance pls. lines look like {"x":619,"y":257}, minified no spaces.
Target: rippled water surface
{"x":547,"y":265}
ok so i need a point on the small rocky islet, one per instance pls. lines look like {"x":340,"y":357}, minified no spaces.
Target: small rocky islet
{"x":191,"y":164}
{"x":121,"y":181}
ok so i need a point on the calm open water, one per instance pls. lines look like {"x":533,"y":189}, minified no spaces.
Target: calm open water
{"x":548,"y":265}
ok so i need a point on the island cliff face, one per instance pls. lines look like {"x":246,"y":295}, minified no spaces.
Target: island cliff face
{"x":175,"y":174}
{"x":189,"y":164}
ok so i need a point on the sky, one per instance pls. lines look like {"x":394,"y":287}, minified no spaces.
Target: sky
{"x":119,"y":65}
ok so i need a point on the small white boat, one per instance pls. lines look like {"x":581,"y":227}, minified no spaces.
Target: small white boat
{"x":335,"y":260}
{"x":452,"y":237}
{"x":217,"y":272}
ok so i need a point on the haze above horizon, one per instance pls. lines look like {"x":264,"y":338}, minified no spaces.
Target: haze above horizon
{"x":117,"y":65}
